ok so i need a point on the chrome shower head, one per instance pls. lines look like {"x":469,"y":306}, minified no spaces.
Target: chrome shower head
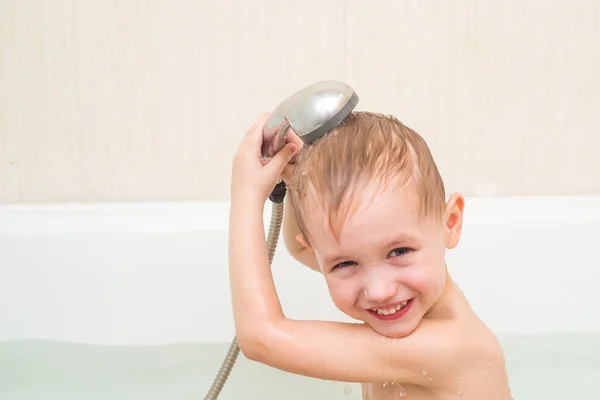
{"x":310,"y":112}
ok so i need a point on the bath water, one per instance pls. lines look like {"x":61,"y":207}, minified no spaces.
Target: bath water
{"x":541,"y":367}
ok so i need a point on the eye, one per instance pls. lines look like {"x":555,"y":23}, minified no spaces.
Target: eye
{"x":343,"y":264}
{"x":400,"y":251}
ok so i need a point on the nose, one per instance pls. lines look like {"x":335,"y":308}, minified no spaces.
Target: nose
{"x":379,"y":290}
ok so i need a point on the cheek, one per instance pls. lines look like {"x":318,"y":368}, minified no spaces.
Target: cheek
{"x":426,"y":277}
{"x":343,"y":294}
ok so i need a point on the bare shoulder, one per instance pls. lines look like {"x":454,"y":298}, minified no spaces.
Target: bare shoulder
{"x":457,"y":357}
{"x":477,"y":364}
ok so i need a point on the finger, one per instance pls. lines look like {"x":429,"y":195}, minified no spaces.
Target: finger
{"x":282,"y":158}
{"x":287,"y":172}
{"x":292,"y":137}
{"x":265,"y":161}
{"x":258,"y":127}
{"x":253,"y":136}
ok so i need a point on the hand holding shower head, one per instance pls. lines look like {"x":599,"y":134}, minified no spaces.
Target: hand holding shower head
{"x":310,"y":112}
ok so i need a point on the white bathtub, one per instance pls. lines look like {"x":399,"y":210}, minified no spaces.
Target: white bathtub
{"x":153,"y":275}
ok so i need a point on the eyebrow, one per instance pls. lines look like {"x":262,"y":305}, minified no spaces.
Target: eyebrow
{"x":400,"y":239}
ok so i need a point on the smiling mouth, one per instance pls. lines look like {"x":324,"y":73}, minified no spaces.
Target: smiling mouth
{"x":392,"y":312}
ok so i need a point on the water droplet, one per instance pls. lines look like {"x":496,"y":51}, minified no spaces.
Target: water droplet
{"x":401,"y":391}
{"x":347,"y":390}
{"x":488,"y":364}
{"x":334,"y":381}
{"x":430,"y":379}
{"x":458,"y":392}
{"x":304,"y":173}
{"x":424,"y":373}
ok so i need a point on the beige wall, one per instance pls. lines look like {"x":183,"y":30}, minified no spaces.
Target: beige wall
{"x":147,"y":100}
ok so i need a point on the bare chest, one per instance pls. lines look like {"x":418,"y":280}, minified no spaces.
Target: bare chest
{"x":474,"y":386}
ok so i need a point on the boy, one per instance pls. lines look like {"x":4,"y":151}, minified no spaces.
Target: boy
{"x":368,"y":209}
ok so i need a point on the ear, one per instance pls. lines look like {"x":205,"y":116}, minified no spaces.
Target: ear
{"x":453,"y":219}
{"x":302,"y":240}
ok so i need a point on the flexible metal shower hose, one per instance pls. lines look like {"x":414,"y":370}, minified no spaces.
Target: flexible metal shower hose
{"x":234,"y":350}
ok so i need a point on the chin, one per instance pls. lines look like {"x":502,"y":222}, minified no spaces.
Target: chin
{"x":394,"y":332}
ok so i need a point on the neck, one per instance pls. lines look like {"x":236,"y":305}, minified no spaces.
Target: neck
{"x":443,"y":307}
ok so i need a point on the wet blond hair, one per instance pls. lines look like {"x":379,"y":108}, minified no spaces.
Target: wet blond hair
{"x":366,"y":147}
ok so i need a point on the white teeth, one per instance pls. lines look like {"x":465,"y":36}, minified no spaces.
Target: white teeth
{"x":392,"y":310}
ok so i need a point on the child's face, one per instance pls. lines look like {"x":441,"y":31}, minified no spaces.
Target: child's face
{"x":388,"y":259}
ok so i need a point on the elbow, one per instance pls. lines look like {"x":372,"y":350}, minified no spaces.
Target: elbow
{"x":253,"y":346}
